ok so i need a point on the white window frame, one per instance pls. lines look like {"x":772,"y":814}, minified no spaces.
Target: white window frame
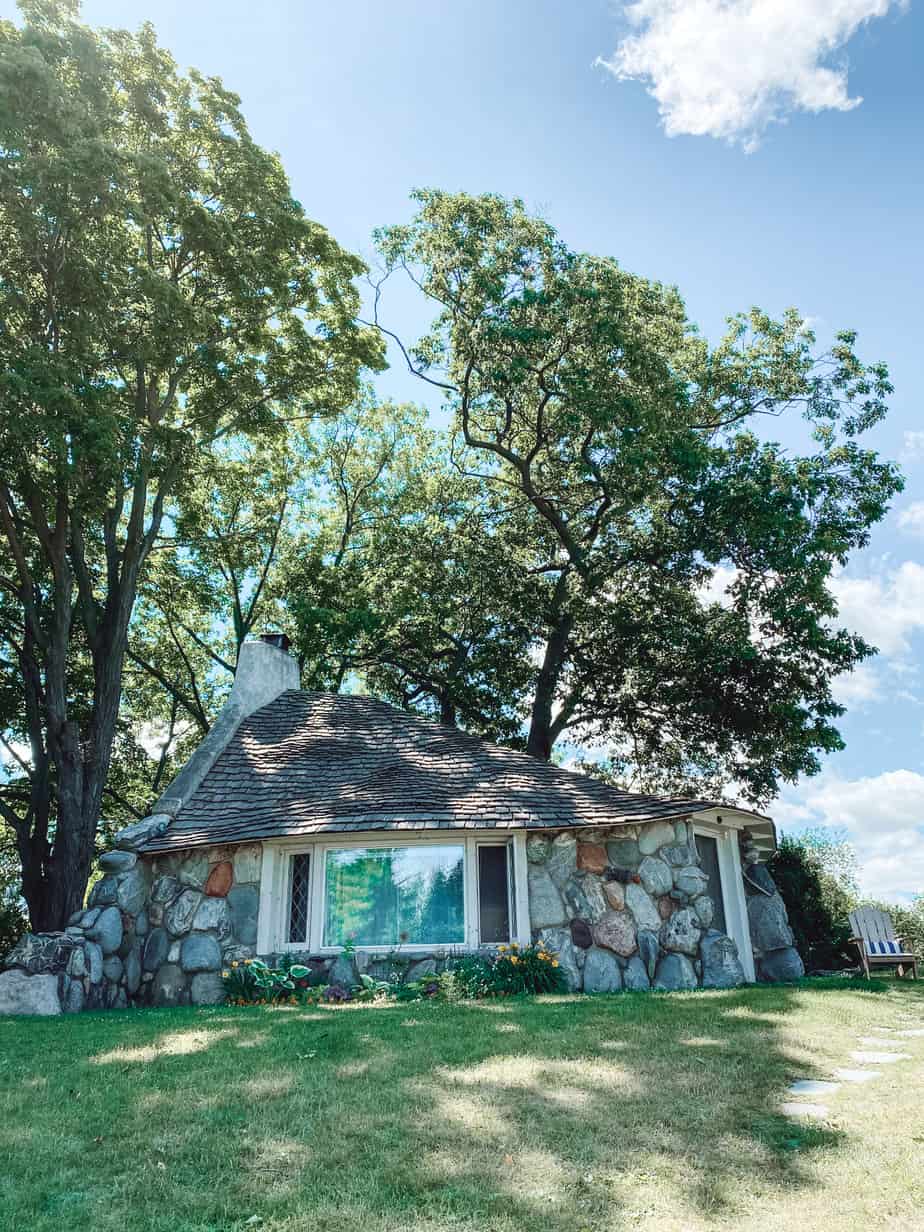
{"x":734,"y":900}
{"x":275,"y":888}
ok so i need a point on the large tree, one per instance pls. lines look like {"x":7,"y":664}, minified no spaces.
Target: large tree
{"x":584,"y":396}
{"x":160,"y":291}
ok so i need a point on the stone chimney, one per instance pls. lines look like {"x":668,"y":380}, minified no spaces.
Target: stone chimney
{"x":264,"y":670}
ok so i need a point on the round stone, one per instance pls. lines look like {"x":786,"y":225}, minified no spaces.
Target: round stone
{"x":179,"y":916}
{"x":107,"y":931}
{"x":591,"y":857}
{"x":200,"y":952}
{"x":132,"y":891}
{"x":644,"y":911}
{"x":692,"y":881}
{"x":721,"y":965}
{"x":104,"y":893}
{"x":132,"y":972}
{"x":194,"y":870}
{"x":117,"y":861}
{"x":616,"y":931}
{"x":615,"y":894}
{"x":155,"y":949}
{"x":635,"y":977}
{"x":206,"y":988}
{"x":562,"y":860}
{"x":705,"y":910}
{"x":602,"y":972}
{"x":213,"y":915}
{"x":546,"y":908}
{"x":113,"y":968}
{"x":538,"y":847}
{"x":769,"y":923}
{"x":247,"y":863}
{"x":624,"y":853}
{"x":220,"y":880}
{"x":168,"y":985}
{"x":675,"y":973}
{"x":681,"y":933}
{"x":648,"y":949}
{"x":583,"y":895}
{"x":656,"y":834}
{"x":165,"y":889}
{"x":581,"y":934}
{"x":655,"y":876}
{"x":244,"y":903}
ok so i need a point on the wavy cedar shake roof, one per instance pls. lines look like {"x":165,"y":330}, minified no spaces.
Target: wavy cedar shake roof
{"x":314,"y":762}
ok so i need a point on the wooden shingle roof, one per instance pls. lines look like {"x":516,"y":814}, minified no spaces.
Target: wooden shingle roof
{"x":314,"y":762}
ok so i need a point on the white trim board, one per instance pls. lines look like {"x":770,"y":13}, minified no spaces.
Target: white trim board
{"x":274,"y":889}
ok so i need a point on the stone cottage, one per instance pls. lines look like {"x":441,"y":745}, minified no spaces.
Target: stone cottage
{"x":358,"y":835}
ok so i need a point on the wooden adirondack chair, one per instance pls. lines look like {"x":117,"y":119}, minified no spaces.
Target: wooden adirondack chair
{"x":878,"y":945}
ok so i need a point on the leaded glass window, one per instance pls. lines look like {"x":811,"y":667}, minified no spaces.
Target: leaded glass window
{"x":299,"y":897}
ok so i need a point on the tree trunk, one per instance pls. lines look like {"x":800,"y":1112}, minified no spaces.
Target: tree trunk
{"x":542,"y":731}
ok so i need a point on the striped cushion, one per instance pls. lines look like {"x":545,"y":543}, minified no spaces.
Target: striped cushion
{"x":884,"y":947}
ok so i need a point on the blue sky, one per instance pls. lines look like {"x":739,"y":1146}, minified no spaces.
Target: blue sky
{"x":779,"y":188}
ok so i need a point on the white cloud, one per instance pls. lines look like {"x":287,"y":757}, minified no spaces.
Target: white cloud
{"x":886,"y":608}
{"x":729,"y":68}
{"x":884,"y":820}
{"x":913,"y":449}
{"x":912,"y":519}
{"x":856,"y":687}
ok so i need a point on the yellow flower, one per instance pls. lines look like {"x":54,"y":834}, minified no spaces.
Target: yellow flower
{"x":514,"y":946}
{"x":234,"y":964}
{"x":501,"y":949}
{"x":225,"y":974}
{"x":247,"y":962}
{"x":514,"y":959}
{"x":554,"y":962}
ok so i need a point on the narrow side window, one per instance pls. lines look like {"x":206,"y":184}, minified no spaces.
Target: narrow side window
{"x":299,"y":891}
{"x":493,"y":894}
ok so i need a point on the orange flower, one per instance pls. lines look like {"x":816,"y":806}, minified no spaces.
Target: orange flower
{"x":514,"y":959}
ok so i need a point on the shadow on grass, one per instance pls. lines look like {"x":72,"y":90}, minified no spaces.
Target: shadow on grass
{"x":501,"y":1115}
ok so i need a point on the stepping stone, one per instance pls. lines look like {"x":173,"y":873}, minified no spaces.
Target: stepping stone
{"x":810,"y":1086}
{"x":878,"y":1042}
{"x":817,"y":1112}
{"x":879,"y":1058}
{"x":856,"y":1075}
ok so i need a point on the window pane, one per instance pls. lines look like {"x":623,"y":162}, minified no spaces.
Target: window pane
{"x":395,"y":896}
{"x":493,"y":896}
{"x":298,"y":899}
{"x":708,"y":849}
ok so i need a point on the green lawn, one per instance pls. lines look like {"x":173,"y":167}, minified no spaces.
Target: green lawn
{"x":634,"y":1111}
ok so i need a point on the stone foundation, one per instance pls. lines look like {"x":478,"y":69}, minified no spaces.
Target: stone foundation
{"x":155,"y":932}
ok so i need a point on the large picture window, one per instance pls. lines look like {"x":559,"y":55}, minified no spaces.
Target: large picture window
{"x":393,"y":896}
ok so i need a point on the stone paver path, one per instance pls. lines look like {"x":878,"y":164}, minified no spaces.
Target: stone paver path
{"x":872,"y":1054}
{"x":878,"y":1058}
{"x":856,"y":1075}
{"x":817,"y":1112}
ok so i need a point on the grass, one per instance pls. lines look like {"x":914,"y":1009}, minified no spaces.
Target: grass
{"x":564,"y":1114}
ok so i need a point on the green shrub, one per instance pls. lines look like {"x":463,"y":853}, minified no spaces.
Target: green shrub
{"x":252,"y":982}
{"x":818,"y":901}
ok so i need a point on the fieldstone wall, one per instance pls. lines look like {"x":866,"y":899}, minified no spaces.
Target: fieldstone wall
{"x":628,"y":908}
{"x":775,"y":956}
{"x":155,"y":932}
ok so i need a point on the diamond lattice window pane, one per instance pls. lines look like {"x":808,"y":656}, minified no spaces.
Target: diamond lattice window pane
{"x":298,"y":908}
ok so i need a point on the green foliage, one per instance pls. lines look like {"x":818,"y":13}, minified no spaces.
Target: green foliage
{"x":627,"y":455}
{"x":253,"y":982}
{"x":815,"y":877}
{"x":171,"y":321}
